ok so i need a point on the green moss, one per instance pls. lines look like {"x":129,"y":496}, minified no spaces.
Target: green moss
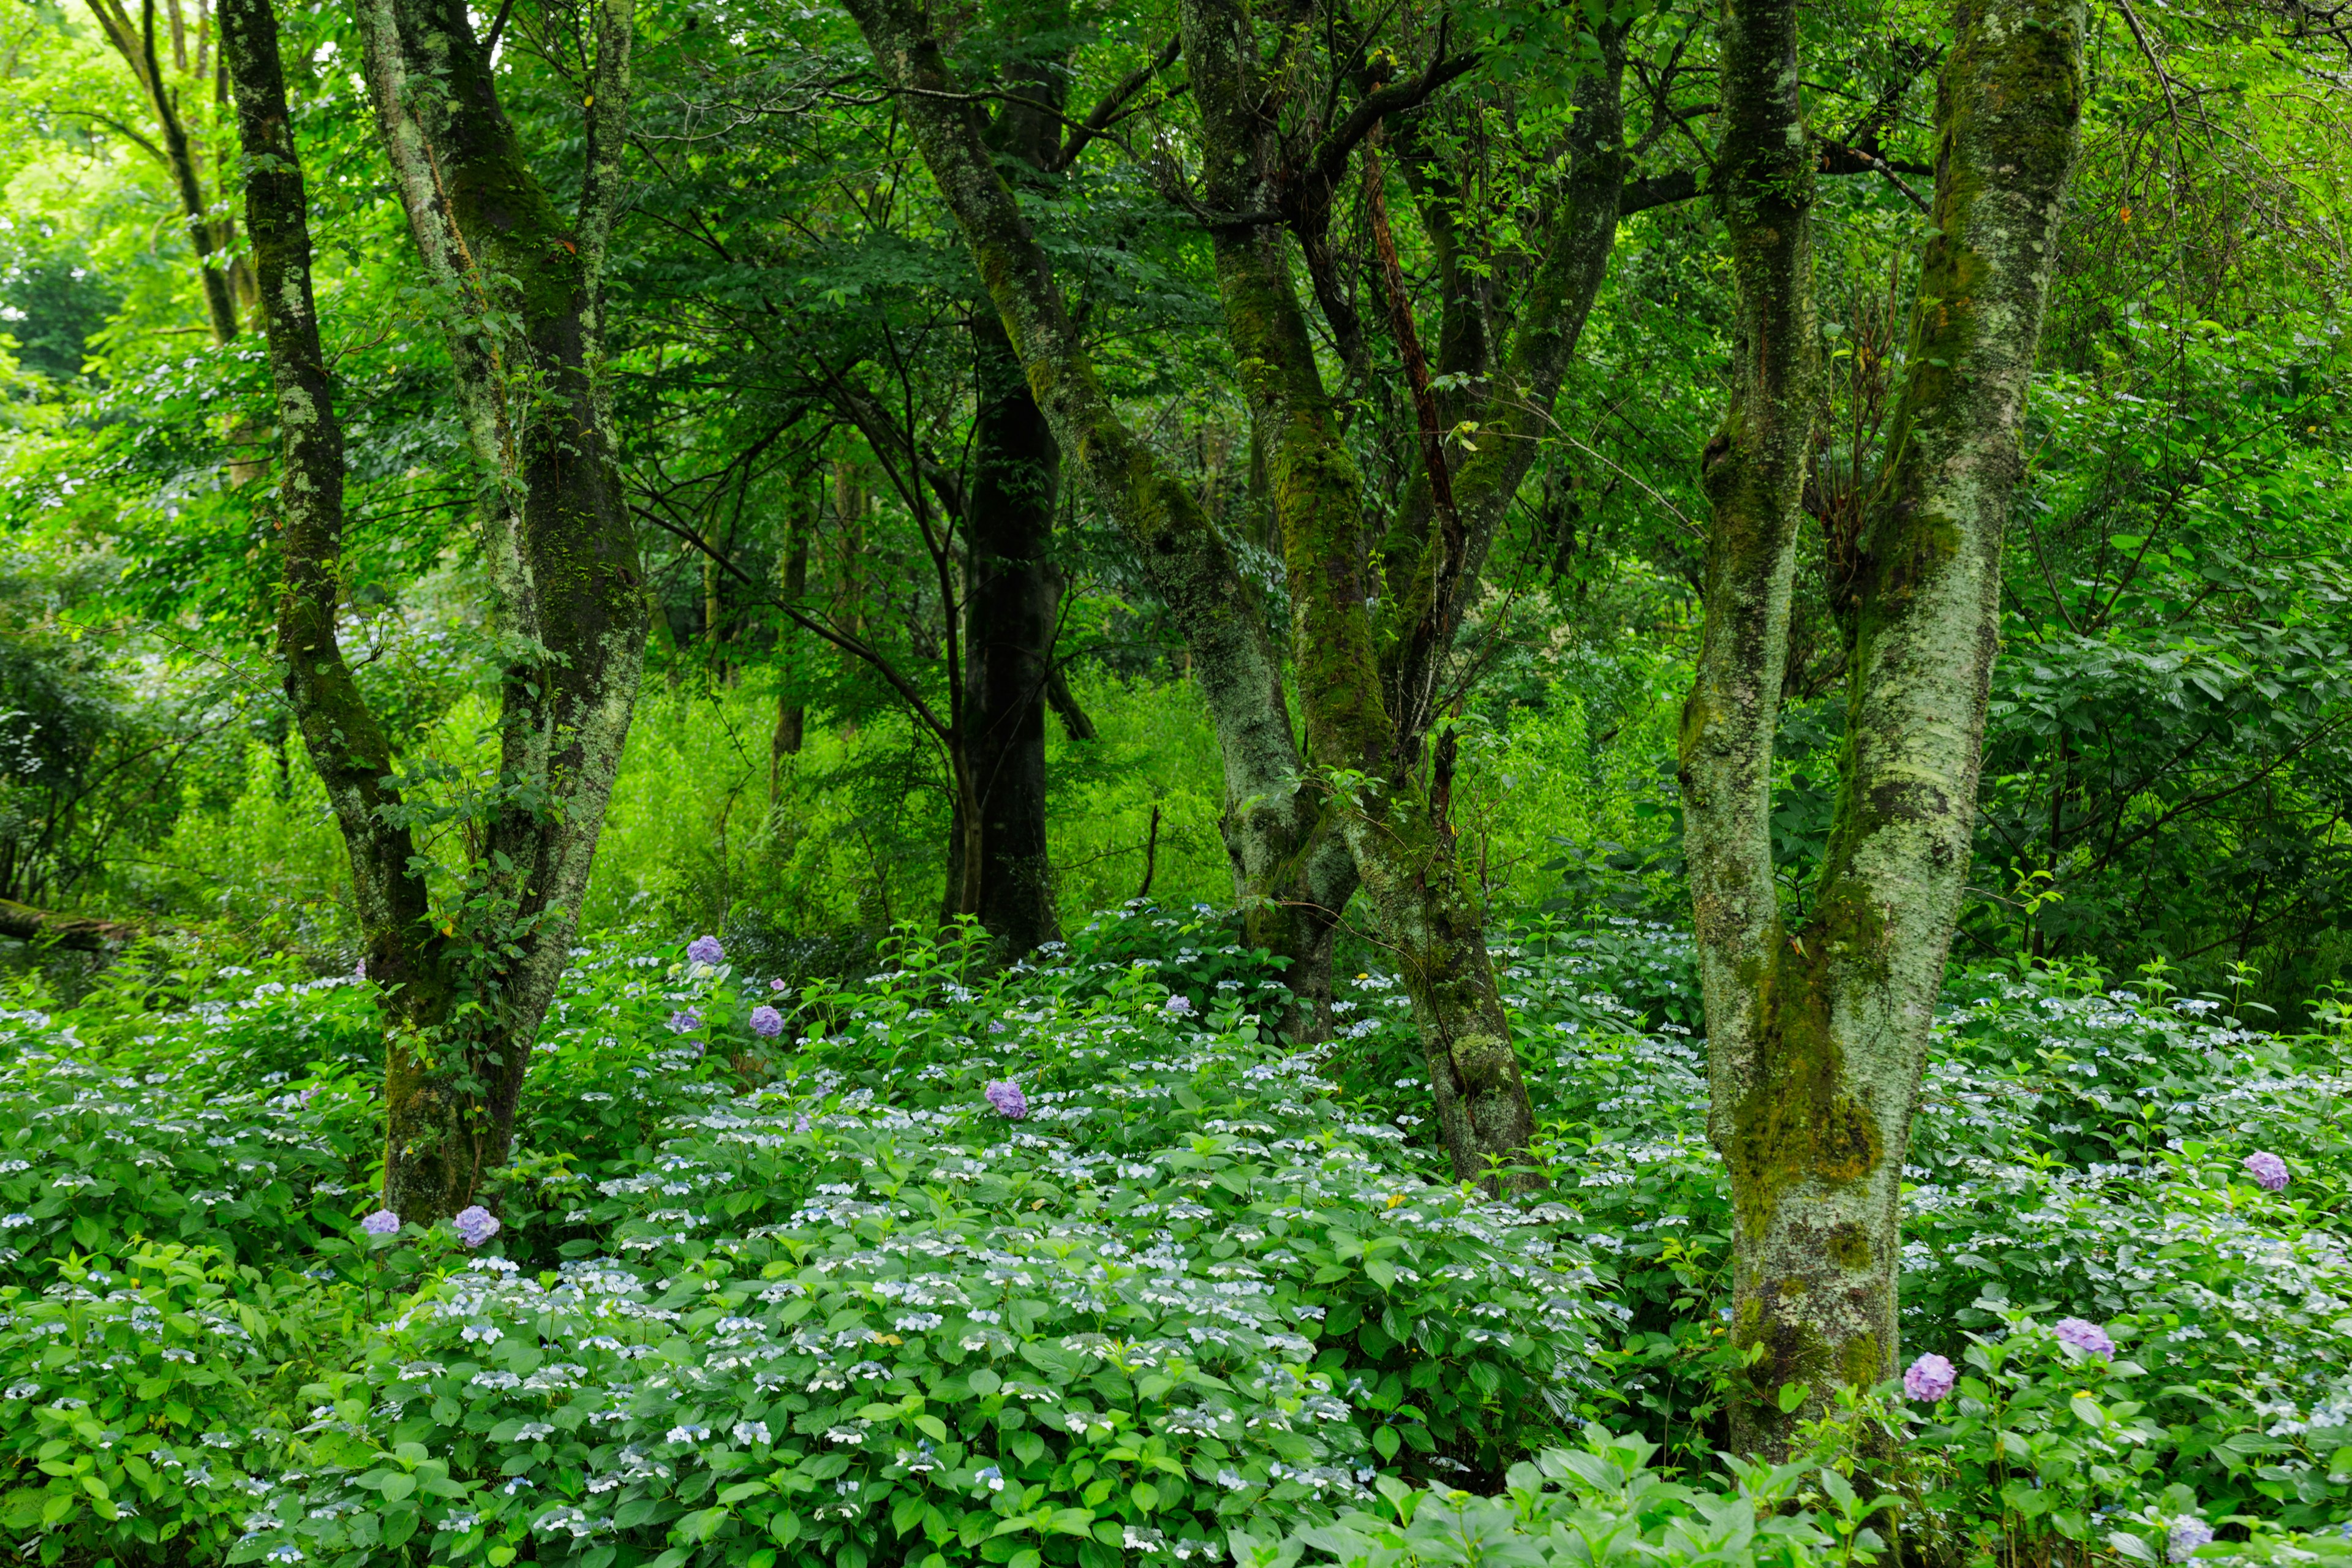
{"x":1849,"y":1248}
{"x":1795,"y":1122}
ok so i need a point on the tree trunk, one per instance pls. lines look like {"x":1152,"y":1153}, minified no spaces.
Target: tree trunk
{"x":1009,"y":643}
{"x":469,"y":981}
{"x":1011,"y":593}
{"x":1818,"y":1023}
{"x":792,"y":718}
{"x":1426,"y":912}
{"x":1221,"y":618}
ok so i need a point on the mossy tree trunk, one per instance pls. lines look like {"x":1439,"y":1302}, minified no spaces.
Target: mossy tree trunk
{"x":469,"y":975}
{"x":1268,"y":818}
{"x":1386,"y":811}
{"x":1818,"y":1019}
{"x":1363,"y":803}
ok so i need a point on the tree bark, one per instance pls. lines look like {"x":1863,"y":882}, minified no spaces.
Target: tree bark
{"x":470,"y":980}
{"x":346,"y":743}
{"x":1818,"y":1022}
{"x":1009,"y":643}
{"x":791,"y":717}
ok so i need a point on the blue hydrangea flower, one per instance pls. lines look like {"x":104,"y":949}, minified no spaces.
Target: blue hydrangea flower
{"x":2188,"y":1534}
{"x":706,"y":949}
{"x":2085,"y":1336}
{"x":767,"y":1023}
{"x":1929,"y":1379}
{"x":383,"y":1222}
{"x":476,"y":1226}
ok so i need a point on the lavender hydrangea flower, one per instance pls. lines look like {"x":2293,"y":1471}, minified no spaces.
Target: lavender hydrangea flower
{"x":2187,"y":1535}
{"x":779,"y":985}
{"x":767,"y":1023}
{"x":1179,"y":1006}
{"x":706,"y":949}
{"x":383,"y":1222}
{"x":359,"y":971}
{"x":476,"y":1226}
{"x":1929,"y":1379}
{"x":2268,"y":1170}
{"x":1007,"y":1097}
{"x":2085,"y":1336}
{"x":685,"y":1020}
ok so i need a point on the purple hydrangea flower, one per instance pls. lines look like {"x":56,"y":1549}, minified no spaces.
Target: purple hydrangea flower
{"x":2187,"y":1535}
{"x":2268,"y":1170}
{"x":359,"y":971}
{"x":767,"y":1023}
{"x":685,"y":1020}
{"x":2085,"y":1336}
{"x":706,"y":949}
{"x":1179,"y":1006}
{"x":1930,"y":1378}
{"x":779,"y":985}
{"x":476,"y":1226}
{"x":1007,"y":1099}
{"x":383,"y":1222}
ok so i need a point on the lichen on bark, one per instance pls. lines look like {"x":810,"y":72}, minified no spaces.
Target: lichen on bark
{"x":1818,"y":1022}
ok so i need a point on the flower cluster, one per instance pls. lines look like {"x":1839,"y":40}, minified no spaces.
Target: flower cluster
{"x":1929,"y":1379}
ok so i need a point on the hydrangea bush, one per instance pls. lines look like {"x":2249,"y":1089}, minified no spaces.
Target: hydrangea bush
{"x":856,"y":1314}
{"x":1074,"y":1261}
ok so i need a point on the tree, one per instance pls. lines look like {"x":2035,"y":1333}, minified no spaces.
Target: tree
{"x":1369,"y":657}
{"x":1818,"y":1017}
{"x":468,"y":970}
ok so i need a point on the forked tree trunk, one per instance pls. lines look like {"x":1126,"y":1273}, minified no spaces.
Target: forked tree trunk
{"x":1299,"y":846}
{"x":1818,"y":1021}
{"x":467,"y":982}
{"x":1427,"y":914}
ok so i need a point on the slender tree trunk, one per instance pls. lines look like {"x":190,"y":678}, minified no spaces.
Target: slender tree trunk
{"x":136,"y":44}
{"x":1009,"y":643}
{"x":792,"y":718}
{"x":1818,"y":1022}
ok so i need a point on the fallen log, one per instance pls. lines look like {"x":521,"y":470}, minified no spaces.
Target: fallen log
{"x":47,"y":928}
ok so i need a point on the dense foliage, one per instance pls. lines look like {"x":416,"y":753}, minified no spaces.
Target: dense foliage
{"x":832,"y":1293}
